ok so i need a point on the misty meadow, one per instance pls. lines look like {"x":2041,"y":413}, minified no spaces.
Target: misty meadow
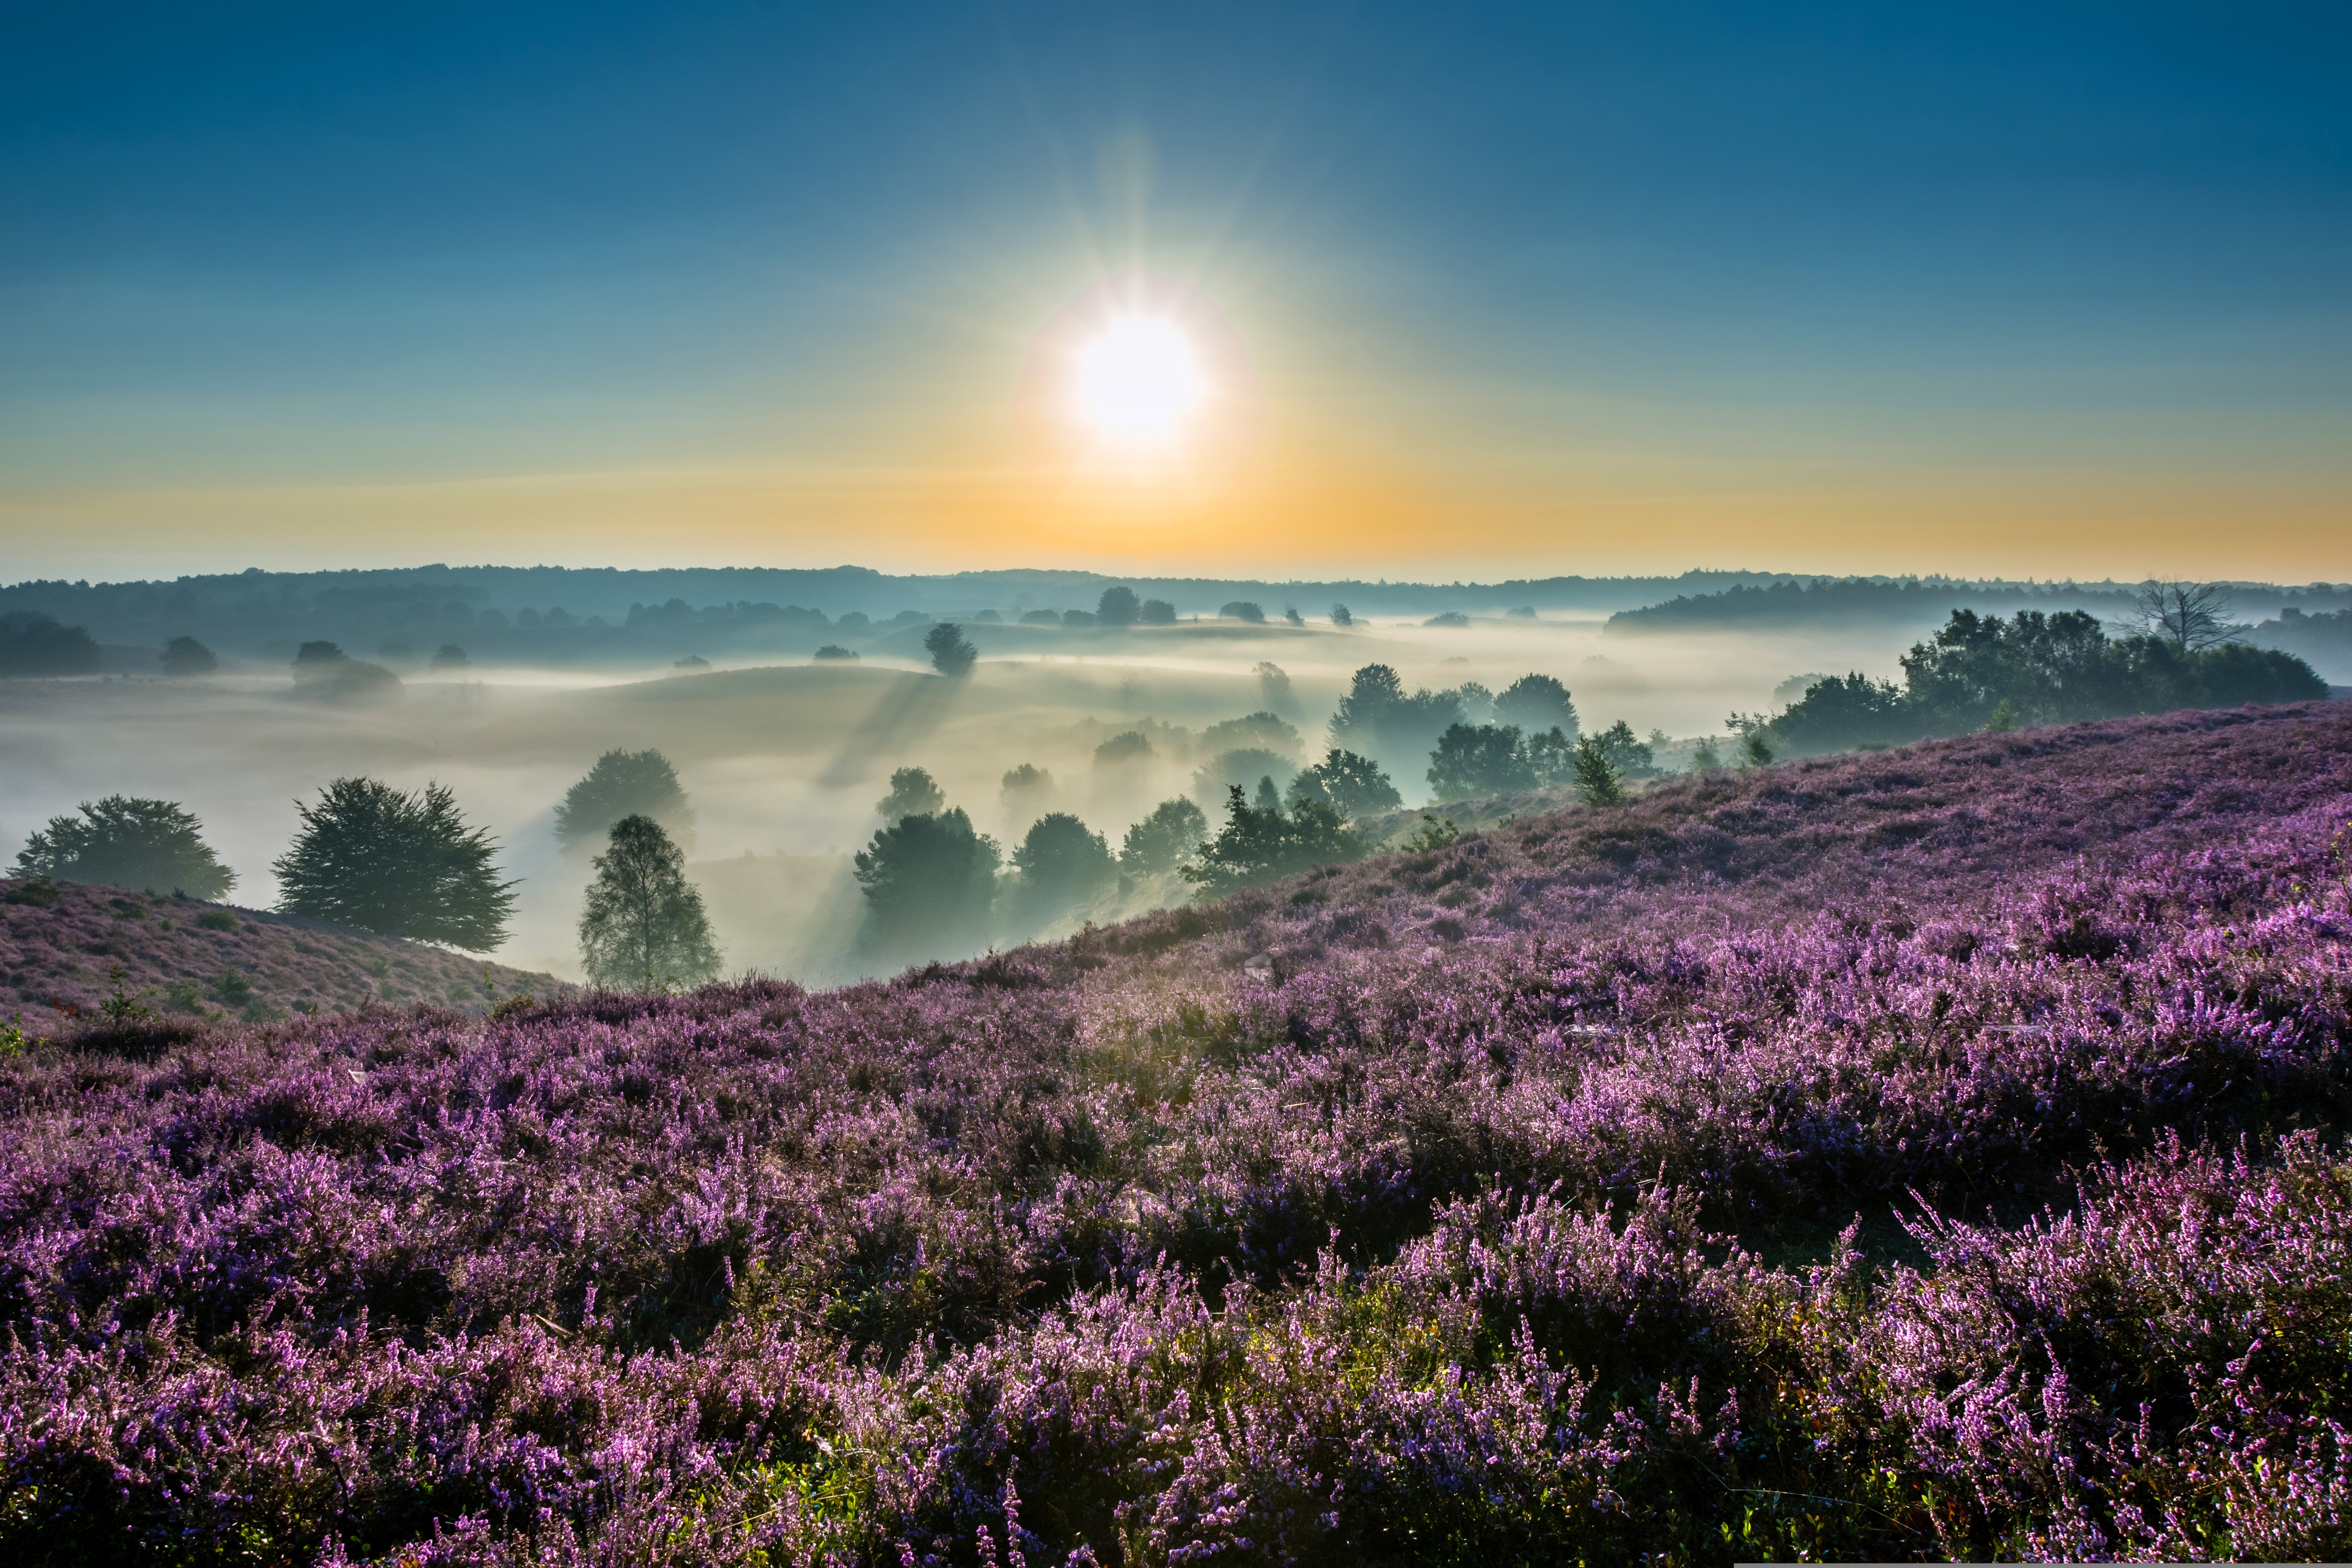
{"x":1167,"y":1080}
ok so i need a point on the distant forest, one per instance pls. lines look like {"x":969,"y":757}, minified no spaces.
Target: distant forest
{"x":1791,"y":603}
{"x":255,"y":611}
{"x":2313,"y":622}
{"x":560,"y":615}
{"x":406,"y":617}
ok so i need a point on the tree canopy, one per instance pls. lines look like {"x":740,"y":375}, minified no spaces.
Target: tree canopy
{"x":1536,"y":703}
{"x":1273,"y":689}
{"x":34,"y":643}
{"x":622,"y":784}
{"x":1351,"y":784}
{"x":1162,"y":840}
{"x":2034,"y":668}
{"x":399,"y":864}
{"x":186,"y":656}
{"x":929,"y":882}
{"x":643,"y":924}
{"x":322,"y":669}
{"x":1597,"y":781}
{"x":1477,"y":759}
{"x":128,"y":843}
{"x":1264,"y":730}
{"x":913,"y":793}
{"x":1118,"y":607}
{"x":1242,"y":765}
{"x":952,"y":652}
{"x":1024,"y":789}
{"x":2192,"y":617}
{"x":1263,"y":843}
{"x":1628,"y":753}
{"x":1378,"y":717}
{"x":1127,"y":746}
{"x":1062,"y":865}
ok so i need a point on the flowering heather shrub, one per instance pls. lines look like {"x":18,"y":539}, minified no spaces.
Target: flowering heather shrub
{"x":1936,"y":1154}
{"x":193,"y":962}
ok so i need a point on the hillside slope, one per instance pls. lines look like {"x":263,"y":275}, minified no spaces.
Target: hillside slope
{"x":1934,"y":1154}
{"x":61,"y":947}
{"x":1934,"y":824}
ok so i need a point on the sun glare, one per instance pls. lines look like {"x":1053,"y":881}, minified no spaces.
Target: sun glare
{"x":1137,"y":382}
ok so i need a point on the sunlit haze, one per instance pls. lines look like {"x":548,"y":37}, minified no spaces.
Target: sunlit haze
{"x":1136,"y":384}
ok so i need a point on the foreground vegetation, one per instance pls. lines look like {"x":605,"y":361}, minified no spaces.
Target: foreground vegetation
{"x":1934,"y":1153}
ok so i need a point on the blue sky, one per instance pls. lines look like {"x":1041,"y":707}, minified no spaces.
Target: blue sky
{"x":1960,"y":288}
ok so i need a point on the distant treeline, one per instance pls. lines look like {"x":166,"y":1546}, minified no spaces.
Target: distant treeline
{"x":1914,"y":601}
{"x":32,"y":643}
{"x":242,"y":612}
{"x":2324,"y":639}
{"x":1985,"y":672}
{"x":257,"y":613}
{"x":550,"y":615}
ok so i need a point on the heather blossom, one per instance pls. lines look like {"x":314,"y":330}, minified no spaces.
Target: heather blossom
{"x":1927,"y":1153}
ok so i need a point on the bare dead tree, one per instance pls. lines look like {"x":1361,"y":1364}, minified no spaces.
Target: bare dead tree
{"x":2189,"y":615}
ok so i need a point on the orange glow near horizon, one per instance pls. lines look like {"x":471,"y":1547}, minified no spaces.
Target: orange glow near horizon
{"x":1313,"y":514}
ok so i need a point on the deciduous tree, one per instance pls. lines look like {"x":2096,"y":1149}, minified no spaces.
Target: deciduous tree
{"x":929,"y":882}
{"x":643,"y":924}
{"x":1161,"y":841}
{"x":621,"y":785}
{"x":952,"y":652}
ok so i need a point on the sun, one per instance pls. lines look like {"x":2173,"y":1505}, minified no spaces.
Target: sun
{"x":1136,"y":384}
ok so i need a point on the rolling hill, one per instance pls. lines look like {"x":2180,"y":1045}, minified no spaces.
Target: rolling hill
{"x":1933,"y":1154}
{"x":67,"y":948}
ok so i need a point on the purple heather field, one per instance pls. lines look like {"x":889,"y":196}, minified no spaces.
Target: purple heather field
{"x":66,"y":950}
{"x":1931,"y":1153}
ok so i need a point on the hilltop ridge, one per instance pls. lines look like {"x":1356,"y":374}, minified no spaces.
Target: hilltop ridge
{"x":67,"y":948}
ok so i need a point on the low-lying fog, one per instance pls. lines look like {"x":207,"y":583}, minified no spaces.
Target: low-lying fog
{"x":784,"y":763}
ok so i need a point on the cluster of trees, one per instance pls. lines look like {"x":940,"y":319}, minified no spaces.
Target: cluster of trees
{"x":2323,"y":636}
{"x":1918,"y":602}
{"x":324,"y":671}
{"x":952,"y":653}
{"x":1261,"y":841}
{"x":398,"y":863}
{"x":407,"y":864}
{"x":128,"y":843}
{"x":1118,"y":606}
{"x":1981,"y":672}
{"x":33,"y":642}
{"x":36,"y":643}
{"x":643,"y":924}
{"x":935,"y":883}
{"x":1379,"y":718}
{"x":1496,"y":759}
